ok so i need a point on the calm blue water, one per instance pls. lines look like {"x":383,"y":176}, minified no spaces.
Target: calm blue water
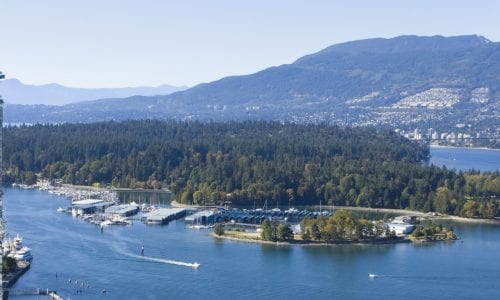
{"x":466,"y":158}
{"x":76,"y":250}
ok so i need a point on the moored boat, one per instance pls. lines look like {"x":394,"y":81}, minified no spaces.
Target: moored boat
{"x":17,"y":250}
{"x":22,"y":254}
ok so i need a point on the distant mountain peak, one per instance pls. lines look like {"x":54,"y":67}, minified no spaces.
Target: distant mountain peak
{"x":392,"y":81}
{"x":402,"y":44}
{"x":16,"y":92}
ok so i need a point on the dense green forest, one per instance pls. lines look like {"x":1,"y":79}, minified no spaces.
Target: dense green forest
{"x":249,"y":162}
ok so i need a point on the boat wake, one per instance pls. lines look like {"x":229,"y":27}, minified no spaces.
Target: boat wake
{"x":194,"y":265}
{"x":165,"y":261}
{"x":120,"y":248}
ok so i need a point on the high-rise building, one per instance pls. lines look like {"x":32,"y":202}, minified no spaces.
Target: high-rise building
{"x":2,"y":223}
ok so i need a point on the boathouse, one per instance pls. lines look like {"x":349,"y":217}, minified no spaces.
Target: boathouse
{"x":163,"y":215}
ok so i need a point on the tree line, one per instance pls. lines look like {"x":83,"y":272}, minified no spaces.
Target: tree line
{"x":342,"y":226}
{"x":250,"y":163}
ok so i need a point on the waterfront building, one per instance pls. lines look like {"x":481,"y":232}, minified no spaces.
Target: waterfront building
{"x":401,"y":228}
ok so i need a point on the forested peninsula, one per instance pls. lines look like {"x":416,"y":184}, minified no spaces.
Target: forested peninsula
{"x":250,"y":162}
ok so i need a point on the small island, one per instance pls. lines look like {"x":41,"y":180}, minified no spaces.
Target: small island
{"x":340,"y":228}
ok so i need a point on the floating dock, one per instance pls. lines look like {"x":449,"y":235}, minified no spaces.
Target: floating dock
{"x":163,"y":215}
{"x":122,"y":210}
{"x":9,"y":279}
{"x":90,"y":206}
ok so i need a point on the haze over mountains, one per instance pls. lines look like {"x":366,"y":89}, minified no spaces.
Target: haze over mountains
{"x":401,"y":81}
{"x":16,"y":92}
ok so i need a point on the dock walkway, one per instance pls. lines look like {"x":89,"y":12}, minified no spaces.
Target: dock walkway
{"x":10,"y":278}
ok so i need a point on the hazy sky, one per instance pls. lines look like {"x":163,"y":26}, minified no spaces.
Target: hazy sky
{"x":117,"y":43}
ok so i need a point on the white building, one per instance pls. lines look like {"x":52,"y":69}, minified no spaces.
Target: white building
{"x":401,"y":228}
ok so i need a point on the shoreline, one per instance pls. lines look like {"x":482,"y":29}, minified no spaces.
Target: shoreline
{"x":421,"y":214}
{"x":304,"y":243}
{"x":12,"y":277}
{"x":176,"y":204}
{"x":94,"y":188}
{"x":463,"y":147}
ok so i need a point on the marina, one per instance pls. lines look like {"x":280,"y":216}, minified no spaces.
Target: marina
{"x":73,"y":250}
{"x":257,"y":216}
{"x":18,"y":259}
{"x":83,"y":254}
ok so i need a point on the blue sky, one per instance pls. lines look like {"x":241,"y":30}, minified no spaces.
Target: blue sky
{"x":118,"y":43}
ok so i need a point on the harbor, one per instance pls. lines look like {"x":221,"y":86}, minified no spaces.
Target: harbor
{"x":75,"y":250}
{"x":257,"y":216}
{"x":17,"y":260}
{"x":103,"y":207}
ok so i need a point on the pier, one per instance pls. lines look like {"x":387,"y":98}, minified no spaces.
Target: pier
{"x":10,"y":278}
{"x":164,"y":215}
{"x":34,"y":292}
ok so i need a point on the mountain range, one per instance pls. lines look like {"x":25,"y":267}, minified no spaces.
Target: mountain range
{"x":397,"y":82}
{"x":16,"y":92}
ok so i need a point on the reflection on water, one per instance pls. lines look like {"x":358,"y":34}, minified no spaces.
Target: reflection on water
{"x":346,"y":250}
{"x":145,"y":196}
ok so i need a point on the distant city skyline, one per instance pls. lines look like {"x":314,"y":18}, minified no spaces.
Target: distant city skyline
{"x":149,"y":43}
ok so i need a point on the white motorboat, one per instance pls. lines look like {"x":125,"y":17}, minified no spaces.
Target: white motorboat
{"x":371,"y":275}
{"x":18,"y":251}
{"x":120,"y":220}
{"x":106,"y":223}
{"x":116,"y":220}
{"x":23,"y":254}
{"x":60,"y":209}
{"x":198,"y":226}
{"x":75,"y":212}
